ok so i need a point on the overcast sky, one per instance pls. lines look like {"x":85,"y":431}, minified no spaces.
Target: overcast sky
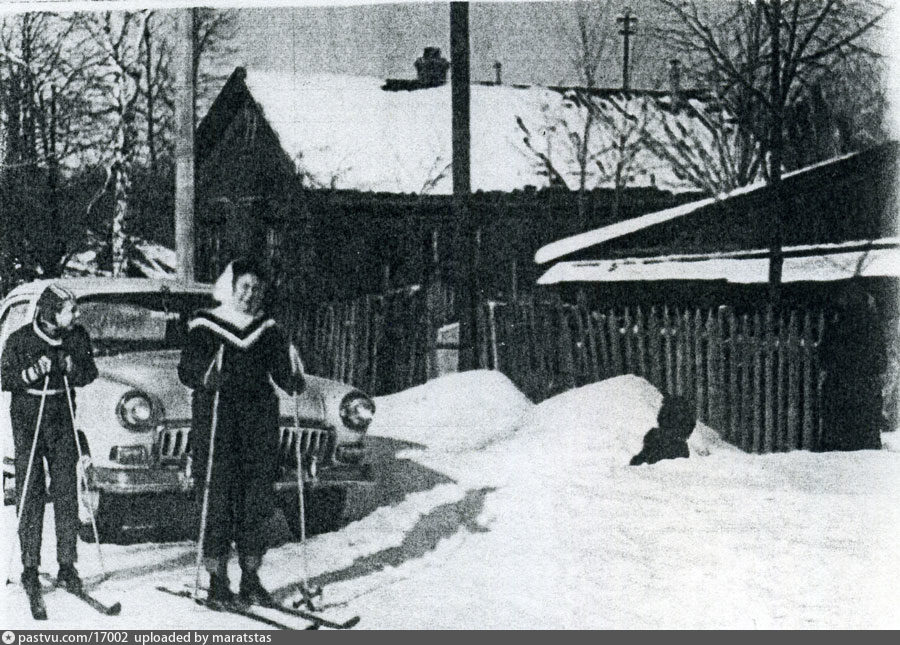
{"x":531,"y":40}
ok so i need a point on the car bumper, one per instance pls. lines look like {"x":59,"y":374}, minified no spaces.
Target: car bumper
{"x":137,"y":481}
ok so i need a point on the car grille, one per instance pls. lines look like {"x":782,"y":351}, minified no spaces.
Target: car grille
{"x":173,"y":443}
{"x":314,"y":442}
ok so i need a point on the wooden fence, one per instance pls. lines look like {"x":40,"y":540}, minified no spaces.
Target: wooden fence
{"x":753,"y":377}
{"x":379,"y":343}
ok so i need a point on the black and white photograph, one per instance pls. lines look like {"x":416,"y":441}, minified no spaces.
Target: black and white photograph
{"x":566,"y":315}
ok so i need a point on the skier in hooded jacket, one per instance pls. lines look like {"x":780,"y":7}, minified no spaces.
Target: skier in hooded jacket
{"x":35,"y":361}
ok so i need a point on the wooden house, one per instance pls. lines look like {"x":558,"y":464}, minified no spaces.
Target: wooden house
{"x":341,"y":180}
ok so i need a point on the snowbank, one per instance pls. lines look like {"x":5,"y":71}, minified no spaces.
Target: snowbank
{"x":455,"y":412}
{"x":613,"y":415}
{"x":535,"y":520}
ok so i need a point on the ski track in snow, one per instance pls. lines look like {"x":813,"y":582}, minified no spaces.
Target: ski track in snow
{"x":495,"y":513}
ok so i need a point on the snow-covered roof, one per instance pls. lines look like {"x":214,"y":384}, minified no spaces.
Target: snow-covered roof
{"x":575,"y":243}
{"x":819,"y":263}
{"x":150,"y":259}
{"x":346,"y":132}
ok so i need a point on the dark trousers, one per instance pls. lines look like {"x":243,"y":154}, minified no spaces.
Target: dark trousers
{"x":241,"y":493}
{"x":56,"y":444}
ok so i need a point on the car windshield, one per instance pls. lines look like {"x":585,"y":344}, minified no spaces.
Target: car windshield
{"x":138,"y":322}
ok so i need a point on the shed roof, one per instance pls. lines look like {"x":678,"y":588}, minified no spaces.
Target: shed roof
{"x":808,"y":263}
{"x":581,"y":241}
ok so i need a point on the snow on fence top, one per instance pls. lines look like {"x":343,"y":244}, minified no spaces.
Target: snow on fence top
{"x":346,"y":132}
{"x":820,"y":263}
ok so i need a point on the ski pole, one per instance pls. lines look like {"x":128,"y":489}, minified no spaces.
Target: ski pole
{"x":22,"y":501}
{"x":204,"y":509}
{"x":306,"y":591}
{"x":80,"y":470}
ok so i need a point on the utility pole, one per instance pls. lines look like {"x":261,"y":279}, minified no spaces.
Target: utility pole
{"x":626,"y":20}
{"x":184,"y":146}
{"x":462,"y":185}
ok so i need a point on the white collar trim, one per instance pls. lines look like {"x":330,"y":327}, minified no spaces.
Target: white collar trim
{"x":40,"y":332}
{"x":242,"y":343}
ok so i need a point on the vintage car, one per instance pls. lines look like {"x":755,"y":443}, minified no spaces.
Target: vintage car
{"x":134,"y":420}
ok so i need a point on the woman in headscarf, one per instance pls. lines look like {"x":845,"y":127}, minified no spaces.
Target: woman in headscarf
{"x":237,"y":350}
{"x":39,"y":360}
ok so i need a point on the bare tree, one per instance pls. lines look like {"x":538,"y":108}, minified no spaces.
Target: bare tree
{"x":118,"y":38}
{"x":214,"y":34}
{"x":701,"y":142}
{"x":588,"y":29}
{"x":768,"y":54}
{"x":41,"y":116}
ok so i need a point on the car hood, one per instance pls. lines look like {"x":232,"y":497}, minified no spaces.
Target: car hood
{"x":156,"y":374}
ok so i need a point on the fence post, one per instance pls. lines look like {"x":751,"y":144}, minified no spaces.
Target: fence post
{"x":806,"y":342}
{"x":603,"y":348}
{"x":769,"y":348}
{"x":657,"y":358}
{"x":820,"y":380}
{"x":378,"y":331}
{"x":781,"y":408}
{"x":627,"y":339}
{"x":758,"y":381}
{"x":364,"y":353}
{"x":641,"y":334}
{"x":492,"y":324}
{"x":615,"y":342}
{"x":700,"y":376}
{"x":353,"y":339}
{"x":746,"y":385}
{"x":734,"y":372}
{"x":714,"y":374}
{"x":592,"y":342}
{"x":668,"y":339}
{"x":565,"y":348}
{"x":679,"y":354}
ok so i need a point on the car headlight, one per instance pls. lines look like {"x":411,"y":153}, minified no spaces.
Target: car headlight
{"x":357,"y":411}
{"x":136,"y":411}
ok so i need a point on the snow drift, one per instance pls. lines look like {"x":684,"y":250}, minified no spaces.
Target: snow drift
{"x":454,"y":412}
{"x":534,"y":519}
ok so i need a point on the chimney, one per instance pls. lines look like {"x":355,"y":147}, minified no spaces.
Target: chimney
{"x":675,"y":81}
{"x":498,"y":79}
{"x":431,"y":68}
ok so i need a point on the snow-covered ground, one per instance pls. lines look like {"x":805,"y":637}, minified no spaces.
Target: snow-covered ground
{"x":492,"y":512}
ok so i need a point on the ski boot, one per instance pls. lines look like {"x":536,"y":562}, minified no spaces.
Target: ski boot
{"x":68,"y":578}
{"x":32,"y":585}
{"x":252,"y":591}
{"x":220,"y":593}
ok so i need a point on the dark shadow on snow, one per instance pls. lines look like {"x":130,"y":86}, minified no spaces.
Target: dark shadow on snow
{"x":395,"y":478}
{"x":442,"y":522}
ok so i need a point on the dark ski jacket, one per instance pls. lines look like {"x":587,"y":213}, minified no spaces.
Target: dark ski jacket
{"x":28,"y":344}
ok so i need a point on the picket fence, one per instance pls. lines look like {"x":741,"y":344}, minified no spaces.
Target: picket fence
{"x":379,"y":343}
{"x":753,"y":377}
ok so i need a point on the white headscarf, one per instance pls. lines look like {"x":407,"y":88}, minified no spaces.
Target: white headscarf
{"x":223,"y":292}
{"x":223,"y":289}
